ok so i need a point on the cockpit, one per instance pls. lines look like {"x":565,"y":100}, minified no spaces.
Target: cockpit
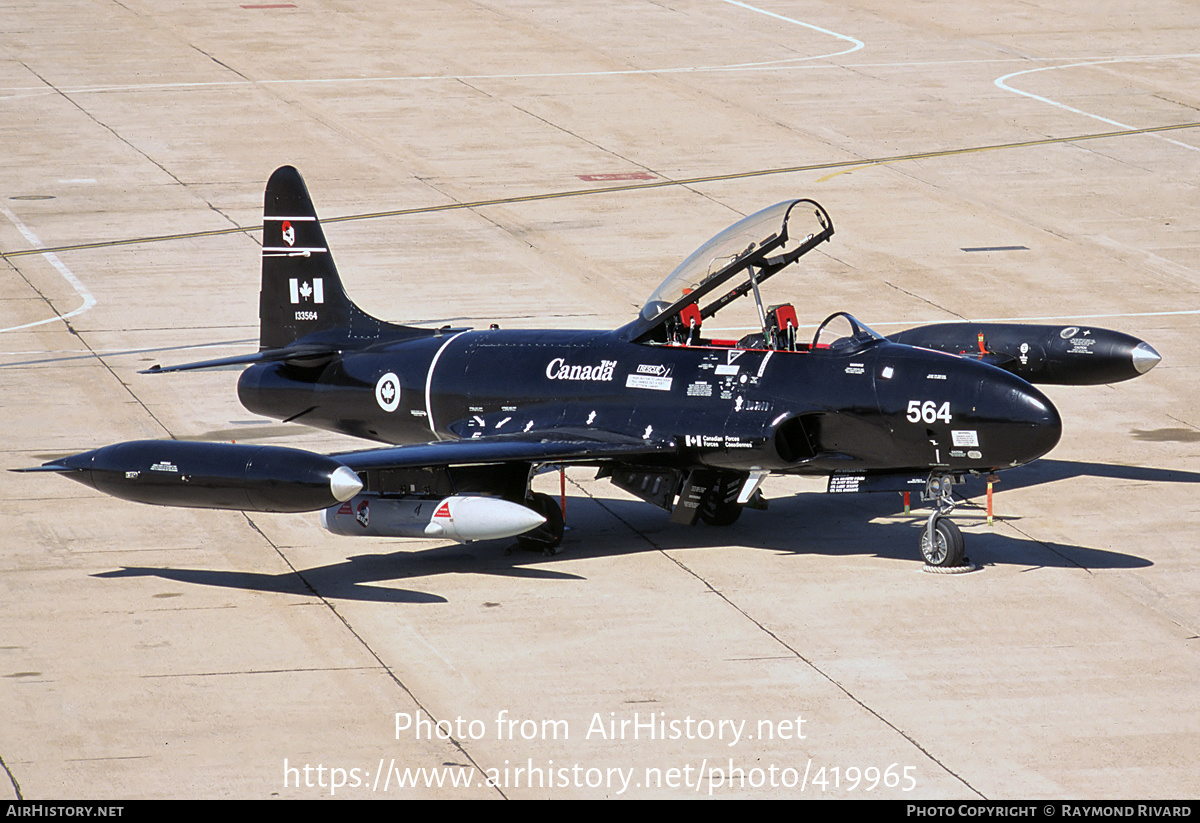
{"x":734,"y":264}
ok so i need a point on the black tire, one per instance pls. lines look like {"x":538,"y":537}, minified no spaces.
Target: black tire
{"x":943,"y":545}
{"x":722,"y":514}
{"x":546,"y":538}
{"x":720,"y":507}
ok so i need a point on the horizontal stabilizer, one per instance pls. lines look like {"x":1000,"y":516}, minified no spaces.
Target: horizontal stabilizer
{"x":307,"y":354}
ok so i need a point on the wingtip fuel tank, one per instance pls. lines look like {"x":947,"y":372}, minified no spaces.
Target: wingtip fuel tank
{"x":1065,"y":355}
{"x":212,"y":475}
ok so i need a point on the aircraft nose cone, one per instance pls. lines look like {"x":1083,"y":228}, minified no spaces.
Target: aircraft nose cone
{"x":1144,"y":357}
{"x":1039,"y":425}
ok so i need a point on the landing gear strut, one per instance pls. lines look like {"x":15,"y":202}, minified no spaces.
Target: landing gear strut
{"x":941,"y":540}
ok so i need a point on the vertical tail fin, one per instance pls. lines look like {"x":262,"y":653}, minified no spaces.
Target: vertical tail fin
{"x":301,"y":292}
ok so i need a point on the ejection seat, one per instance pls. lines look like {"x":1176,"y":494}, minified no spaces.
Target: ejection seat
{"x":689,"y":322}
{"x":782,"y":325}
{"x":780,"y":331}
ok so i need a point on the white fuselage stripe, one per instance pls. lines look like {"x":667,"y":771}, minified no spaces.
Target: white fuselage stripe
{"x":429,"y":385}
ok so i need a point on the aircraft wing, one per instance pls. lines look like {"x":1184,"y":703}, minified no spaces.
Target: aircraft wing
{"x":556,"y":446}
{"x":276,"y":479}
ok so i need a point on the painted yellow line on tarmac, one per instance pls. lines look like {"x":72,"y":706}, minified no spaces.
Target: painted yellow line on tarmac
{"x":844,"y":165}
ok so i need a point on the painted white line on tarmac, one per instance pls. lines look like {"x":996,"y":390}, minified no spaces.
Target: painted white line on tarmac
{"x":1063,"y":318}
{"x":855,"y":45}
{"x":1001,"y":83}
{"x":72,"y":280}
{"x":786,"y":64}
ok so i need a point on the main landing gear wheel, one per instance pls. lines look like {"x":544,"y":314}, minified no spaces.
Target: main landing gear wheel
{"x":721,"y":514}
{"x":720,"y":507}
{"x":546,"y":539}
{"x":942,"y":544}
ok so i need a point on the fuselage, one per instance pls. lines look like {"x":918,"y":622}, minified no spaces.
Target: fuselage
{"x":873,"y":407}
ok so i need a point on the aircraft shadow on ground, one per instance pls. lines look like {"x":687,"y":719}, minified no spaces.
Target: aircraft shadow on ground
{"x":808,"y":524}
{"x":1048,"y":470}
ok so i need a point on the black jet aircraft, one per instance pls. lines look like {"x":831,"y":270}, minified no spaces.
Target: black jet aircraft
{"x":682,"y":419}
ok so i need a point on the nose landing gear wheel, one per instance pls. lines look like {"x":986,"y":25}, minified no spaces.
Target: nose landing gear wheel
{"x":941,"y":539}
{"x":942,"y":544}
